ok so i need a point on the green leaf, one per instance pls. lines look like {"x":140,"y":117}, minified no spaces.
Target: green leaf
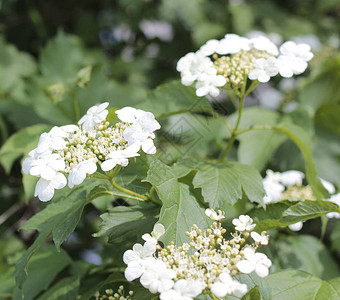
{"x":224,"y":182}
{"x":292,"y":284}
{"x":14,"y":66}
{"x":296,"y":284}
{"x":323,"y":85}
{"x":174,"y":98}
{"x":180,"y":209}
{"x":328,"y":117}
{"x":65,"y":289}
{"x":124,"y":222}
{"x":20,"y":144}
{"x":43,"y":268}
{"x":306,"y":253}
{"x":327,"y":155}
{"x":284,"y":213}
{"x":59,"y":218}
{"x":7,"y":281}
{"x":62,"y":58}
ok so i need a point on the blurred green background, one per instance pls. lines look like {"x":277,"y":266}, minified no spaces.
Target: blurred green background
{"x":128,"y":48}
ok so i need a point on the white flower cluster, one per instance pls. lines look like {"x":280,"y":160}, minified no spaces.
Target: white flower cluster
{"x":75,"y":150}
{"x":206,"y":265}
{"x":231,"y":60}
{"x":288,"y":185}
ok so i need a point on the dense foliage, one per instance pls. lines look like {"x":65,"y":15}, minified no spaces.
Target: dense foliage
{"x":214,"y":150}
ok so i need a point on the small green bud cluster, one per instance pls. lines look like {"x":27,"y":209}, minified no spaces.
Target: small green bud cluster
{"x":236,"y":67}
{"x":111,"y":295}
{"x":95,"y":144}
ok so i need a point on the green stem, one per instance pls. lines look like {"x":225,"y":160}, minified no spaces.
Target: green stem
{"x":126,"y":191}
{"x":234,"y":131}
{"x":213,"y":296}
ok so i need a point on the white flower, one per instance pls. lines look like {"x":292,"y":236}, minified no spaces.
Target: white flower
{"x":193,"y":66}
{"x":44,"y":189}
{"x":335,"y":199}
{"x":120,"y":157}
{"x":264,"y":44}
{"x":257,"y":262}
{"x":79,"y":171}
{"x":209,"y":85}
{"x":292,"y":177}
{"x":300,"y":51}
{"x":273,"y":190}
{"x":228,"y":286}
{"x":94,"y":115}
{"x":129,"y":114}
{"x":157,"y":278}
{"x":293,"y":58}
{"x":141,"y":132}
{"x":262,"y":238}
{"x":137,"y":258}
{"x":296,"y":226}
{"x":232,"y":43}
{"x":54,"y":139}
{"x":184,"y":290}
{"x":264,"y":69}
{"x":244,"y":223}
{"x":210,"y":47}
{"x":47,"y":166}
{"x":213,"y":215}
{"x":156,"y":234}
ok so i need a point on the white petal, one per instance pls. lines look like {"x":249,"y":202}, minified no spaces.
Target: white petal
{"x":43,"y":190}
{"x":130,"y":256}
{"x":219,"y":289}
{"x":148,"y":147}
{"x":261,"y":270}
{"x":296,"y":226}
{"x":246,"y":266}
{"x":132,"y":273}
{"x":108,"y":164}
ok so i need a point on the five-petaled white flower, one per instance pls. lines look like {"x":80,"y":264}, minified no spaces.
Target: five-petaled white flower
{"x":47,"y":166}
{"x":264,"y":69}
{"x":137,"y":259}
{"x":157,"y":278}
{"x":79,"y":171}
{"x":257,"y":262}
{"x":293,"y":59}
{"x":244,"y":223}
{"x":120,"y":157}
{"x":94,"y":116}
